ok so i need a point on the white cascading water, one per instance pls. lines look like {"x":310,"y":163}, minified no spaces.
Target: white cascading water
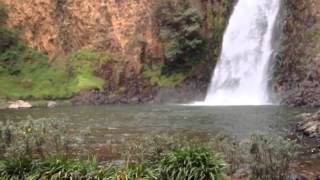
{"x":241,"y":75}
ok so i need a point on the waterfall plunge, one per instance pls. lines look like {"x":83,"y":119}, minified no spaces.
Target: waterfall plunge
{"x":241,"y":75}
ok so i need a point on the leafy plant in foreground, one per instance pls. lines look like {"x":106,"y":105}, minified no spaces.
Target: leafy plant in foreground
{"x":193,"y":163}
{"x":15,"y":168}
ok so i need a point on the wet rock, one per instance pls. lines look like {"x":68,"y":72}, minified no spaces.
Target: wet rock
{"x":134,"y":100}
{"x":306,"y":94}
{"x":52,"y":104}
{"x":294,"y":176}
{"x":310,"y":126}
{"x":19,"y":105}
{"x":303,"y":116}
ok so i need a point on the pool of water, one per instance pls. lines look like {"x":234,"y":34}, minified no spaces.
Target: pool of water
{"x":239,"y":121}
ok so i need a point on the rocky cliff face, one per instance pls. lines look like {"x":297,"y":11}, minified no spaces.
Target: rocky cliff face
{"x":60,"y":26}
{"x":127,"y":28}
{"x":298,"y":66}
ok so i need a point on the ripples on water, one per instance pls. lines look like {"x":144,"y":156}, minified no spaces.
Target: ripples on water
{"x":238,"y":121}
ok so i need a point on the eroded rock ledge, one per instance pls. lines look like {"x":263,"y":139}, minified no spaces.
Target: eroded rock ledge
{"x":298,"y":66}
{"x":310,"y":125}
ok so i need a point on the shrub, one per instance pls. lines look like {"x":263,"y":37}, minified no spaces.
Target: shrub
{"x":7,"y":39}
{"x":270,"y":157}
{"x":3,"y":13}
{"x":180,"y":27}
{"x":82,"y":64}
{"x":191,"y":163}
{"x":154,"y":73}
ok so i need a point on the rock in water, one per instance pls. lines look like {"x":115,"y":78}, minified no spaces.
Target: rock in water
{"x":52,"y":104}
{"x":19,"y":104}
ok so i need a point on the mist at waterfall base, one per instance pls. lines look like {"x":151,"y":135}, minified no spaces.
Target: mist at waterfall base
{"x":241,"y":74}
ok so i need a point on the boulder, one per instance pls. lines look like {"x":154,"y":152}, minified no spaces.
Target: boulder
{"x":52,"y":104}
{"x":310,"y":125}
{"x":19,"y":104}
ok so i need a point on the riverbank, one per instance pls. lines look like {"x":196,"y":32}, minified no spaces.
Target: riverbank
{"x":108,"y":131}
{"x":4,"y":104}
{"x":48,"y":148}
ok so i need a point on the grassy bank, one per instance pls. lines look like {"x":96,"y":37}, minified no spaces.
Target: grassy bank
{"x":29,"y":74}
{"x":48,"y":149}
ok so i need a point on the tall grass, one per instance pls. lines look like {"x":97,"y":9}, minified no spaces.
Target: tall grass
{"x":41,"y":149}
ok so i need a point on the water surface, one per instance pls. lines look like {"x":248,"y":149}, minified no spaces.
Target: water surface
{"x":123,"y":120}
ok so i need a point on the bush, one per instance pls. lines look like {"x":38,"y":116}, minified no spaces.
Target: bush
{"x":82,"y":64}
{"x":191,"y":163}
{"x":7,"y":39}
{"x":270,"y":157}
{"x":180,"y":27}
{"x":3,"y":13}
{"x":156,"y":76}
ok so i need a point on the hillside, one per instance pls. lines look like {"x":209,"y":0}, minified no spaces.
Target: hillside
{"x":113,"y":51}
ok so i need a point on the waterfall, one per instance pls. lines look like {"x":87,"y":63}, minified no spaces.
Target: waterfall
{"x":241,"y":74}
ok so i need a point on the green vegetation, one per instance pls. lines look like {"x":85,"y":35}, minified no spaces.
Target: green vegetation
{"x":55,"y":167}
{"x":33,"y":139}
{"x":180,"y":26}
{"x":44,"y":149}
{"x":27,"y":73}
{"x":270,"y":157}
{"x":3,"y":14}
{"x":188,"y":46}
{"x":82,"y":64}
{"x":154,"y":73}
{"x":191,"y":163}
{"x":60,"y":167}
{"x":218,"y":18}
